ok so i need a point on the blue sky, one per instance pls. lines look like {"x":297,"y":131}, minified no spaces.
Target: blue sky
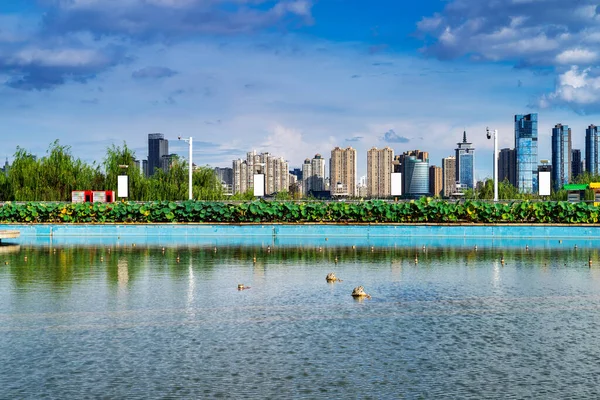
{"x":294,"y":77}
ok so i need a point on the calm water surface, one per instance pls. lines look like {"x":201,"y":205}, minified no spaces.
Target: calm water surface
{"x":123,"y":321}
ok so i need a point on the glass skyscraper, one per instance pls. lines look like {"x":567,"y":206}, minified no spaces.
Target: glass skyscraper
{"x":158,"y":147}
{"x":576,"y":164}
{"x":561,"y":156}
{"x":592,"y":161}
{"x":526,"y":148}
{"x":416,"y":177}
{"x":465,"y":161}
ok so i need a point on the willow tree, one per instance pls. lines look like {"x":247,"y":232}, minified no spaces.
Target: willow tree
{"x":206,"y":184}
{"x":23,"y":176}
{"x":5,"y":188}
{"x":170,"y":185}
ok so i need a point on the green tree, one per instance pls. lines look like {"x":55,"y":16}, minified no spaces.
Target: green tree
{"x":206,"y":184}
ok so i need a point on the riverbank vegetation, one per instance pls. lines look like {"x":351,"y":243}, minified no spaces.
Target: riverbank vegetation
{"x":425,"y":210}
{"x":54,"y":176}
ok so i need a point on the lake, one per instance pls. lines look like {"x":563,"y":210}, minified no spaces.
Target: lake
{"x":130,"y":319}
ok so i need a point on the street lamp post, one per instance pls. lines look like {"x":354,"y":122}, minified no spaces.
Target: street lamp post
{"x":189,"y":141}
{"x":495,"y":160}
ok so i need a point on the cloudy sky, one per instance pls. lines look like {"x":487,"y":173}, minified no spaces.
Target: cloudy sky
{"x":294,"y":77}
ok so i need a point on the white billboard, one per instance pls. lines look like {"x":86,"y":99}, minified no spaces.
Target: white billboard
{"x":544,"y":183}
{"x":259,"y":185}
{"x":396,"y":184}
{"x":122,"y":186}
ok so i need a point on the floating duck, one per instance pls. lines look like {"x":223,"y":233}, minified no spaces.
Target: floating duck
{"x":359,"y":292}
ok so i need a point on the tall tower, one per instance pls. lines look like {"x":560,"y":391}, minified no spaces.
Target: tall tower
{"x":465,"y":161}
{"x":592,"y":160}
{"x":507,"y":166}
{"x":449,"y":175}
{"x":576,"y":164}
{"x":379,"y":172}
{"x":158,"y":147}
{"x":435,"y":180}
{"x":342,"y":169}
{"x":526,"y":148}
{"x":561,"y":156}
{"x":415,"y":177}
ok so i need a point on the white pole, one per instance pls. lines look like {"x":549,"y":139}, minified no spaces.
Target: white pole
{"x":190,"y":171}
{"x":495,"y":165}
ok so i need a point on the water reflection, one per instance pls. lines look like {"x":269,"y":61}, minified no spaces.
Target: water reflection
{"x":123,"y":321}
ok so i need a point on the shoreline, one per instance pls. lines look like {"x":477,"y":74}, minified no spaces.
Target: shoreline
{"x":312,"y":230}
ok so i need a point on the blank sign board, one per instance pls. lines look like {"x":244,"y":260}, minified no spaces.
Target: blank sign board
{"x":259,"y":185}
{"x":122,"y":186}
{"x":396,"y":184}
{"x":544,"y":183}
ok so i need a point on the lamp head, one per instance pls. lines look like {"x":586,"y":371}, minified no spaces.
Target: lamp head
{"x":178,"y":137}
{"x":487,"y":133}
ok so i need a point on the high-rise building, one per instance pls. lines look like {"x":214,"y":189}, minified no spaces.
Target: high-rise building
{"x":158,"y":147}
{"x":415,"y":177}
{"x":526,"y":148}
{"x":313,"y":174}
{"x":167,"y":161}
{"x":465,"y":162}
{"x":379,"y":172}
{"x":342,"y":171}
{"x":297,"y":172}
{"x":275,"y":170}
{"x":224,"y":175}
{"x":576,"y":164}
{"x":561,"y":156}
{"x":449,"y":175}
{"x":507,"y":166}
{"x":435,"y":180}
{"x":592,"y":159}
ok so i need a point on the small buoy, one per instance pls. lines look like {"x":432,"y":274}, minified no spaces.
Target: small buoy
{"x":254,"y":259}
{"x":475,"y":247}
{"x":526,"y":248}
{"x":502,"y":260}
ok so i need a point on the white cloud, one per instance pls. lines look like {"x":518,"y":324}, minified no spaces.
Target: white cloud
{"x":577,"y":56}
{"x":575,"y":88}
{"x":550,"y":34}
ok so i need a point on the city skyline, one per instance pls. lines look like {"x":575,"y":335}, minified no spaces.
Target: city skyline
{"x":310,"y":81}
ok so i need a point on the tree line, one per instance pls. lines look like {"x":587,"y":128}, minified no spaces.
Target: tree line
{"x":54,"y":176}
